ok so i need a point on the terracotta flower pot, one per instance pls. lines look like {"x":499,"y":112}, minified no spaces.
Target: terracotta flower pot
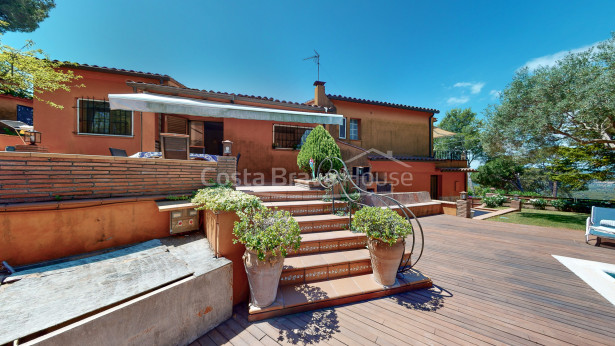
{"x":385,"y":259}
{"x":263,"y":276}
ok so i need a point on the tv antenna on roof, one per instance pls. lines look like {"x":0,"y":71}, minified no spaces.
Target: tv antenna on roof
{"x":316,"y":59}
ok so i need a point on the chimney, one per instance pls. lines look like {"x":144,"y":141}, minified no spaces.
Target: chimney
{"x":320,"y":97}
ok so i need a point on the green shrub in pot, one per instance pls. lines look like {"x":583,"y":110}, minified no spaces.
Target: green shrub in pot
{"x":386,"y":232}
{"x":221,"y":198}
{"x":268,"y":235}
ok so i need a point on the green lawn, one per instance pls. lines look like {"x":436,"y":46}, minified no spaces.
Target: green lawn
{"x":545,"y":218}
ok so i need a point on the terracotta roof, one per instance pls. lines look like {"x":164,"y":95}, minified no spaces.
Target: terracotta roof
{"x":458,"y":170}
{"x":229,"y":95}
{"x":380,"y":103}
{"x":133,"y":73}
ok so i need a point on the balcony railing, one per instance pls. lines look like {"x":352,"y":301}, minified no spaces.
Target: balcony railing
{"x":450,"y":155}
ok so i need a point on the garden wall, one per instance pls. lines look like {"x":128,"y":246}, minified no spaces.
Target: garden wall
{"x":58,"y":205}
{"x":37,"y":177}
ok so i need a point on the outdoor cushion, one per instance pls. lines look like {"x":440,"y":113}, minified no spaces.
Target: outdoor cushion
{"x":605,"y":231}
{"x":607,"y":223}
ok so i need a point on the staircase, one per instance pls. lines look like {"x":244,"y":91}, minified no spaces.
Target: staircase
{"x":332,"y":266}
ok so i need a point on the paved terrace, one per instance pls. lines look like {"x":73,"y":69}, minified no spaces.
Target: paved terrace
{"x":496,"y":283}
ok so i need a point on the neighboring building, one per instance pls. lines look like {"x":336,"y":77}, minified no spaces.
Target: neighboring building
{"x":384,"y":139}
{"x":388,"y":140}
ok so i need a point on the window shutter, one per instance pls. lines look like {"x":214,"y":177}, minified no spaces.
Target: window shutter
{"x":176,"y":125}
{"x":197,"y":131}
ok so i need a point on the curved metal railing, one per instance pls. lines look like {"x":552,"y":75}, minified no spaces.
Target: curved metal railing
{"x":333,"y":177}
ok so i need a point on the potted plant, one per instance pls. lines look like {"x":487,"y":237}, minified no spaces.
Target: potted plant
{"x":267,"y":235}
{"x":221,"y":205}
{"x":386,"y":232}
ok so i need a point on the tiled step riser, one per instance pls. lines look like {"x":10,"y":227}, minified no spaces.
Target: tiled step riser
{"x":289,"y":196}
{"x":313,"y":210}
{"x":313,"y":247}
{"x":323,"y":226}
{"x":328,"y":272}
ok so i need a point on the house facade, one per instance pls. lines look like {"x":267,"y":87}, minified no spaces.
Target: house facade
{"x":394,"y":144}
{"x":128,"y":110}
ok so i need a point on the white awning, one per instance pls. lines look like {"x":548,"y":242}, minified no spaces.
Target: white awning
{"x":179,"y":105}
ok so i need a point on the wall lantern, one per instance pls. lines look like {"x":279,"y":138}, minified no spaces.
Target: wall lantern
{"x":32,"y":136}
{"x":463,"y":195}
{"x":227,"y":147}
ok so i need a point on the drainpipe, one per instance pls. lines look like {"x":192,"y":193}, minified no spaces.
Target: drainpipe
{"x":431,"y":136}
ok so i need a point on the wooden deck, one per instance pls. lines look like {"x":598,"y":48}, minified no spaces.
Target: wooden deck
{"x":495,"y":283}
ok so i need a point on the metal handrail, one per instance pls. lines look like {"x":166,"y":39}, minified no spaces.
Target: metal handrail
{"x":342,"y":177}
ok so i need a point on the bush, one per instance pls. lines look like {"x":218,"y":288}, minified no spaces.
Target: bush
{"x":222,"y":198}
{"x":381,"y":223}
{"x":494,"y":201}
{"x":267,"y":231}
{"x":560,"y":204}
{"x":538,"y":203}
{"x":318,"y":145}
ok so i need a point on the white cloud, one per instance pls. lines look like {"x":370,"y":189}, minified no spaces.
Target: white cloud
{"x":457,"y":100}
{"x":549,"y":60}
{"x":475,"y":88}
{"x":495,"y":93}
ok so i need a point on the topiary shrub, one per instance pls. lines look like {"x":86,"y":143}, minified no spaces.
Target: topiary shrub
{"x":318,"y":146}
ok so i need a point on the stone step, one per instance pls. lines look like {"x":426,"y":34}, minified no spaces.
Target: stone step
{"x":316,"y":295}
{"x":327,"y":265}
{"x":322,"y":223}
{"x":300,"y":208}
{"x":312,"y":243}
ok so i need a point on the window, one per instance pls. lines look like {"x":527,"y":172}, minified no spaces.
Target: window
{"x":343,"y":129}
{"x":289,"y":137}
{"x":354,"y":129}
{"x":95,"y":117}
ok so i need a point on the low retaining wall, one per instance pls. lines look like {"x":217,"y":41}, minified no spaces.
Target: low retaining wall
{"x":31,"y":236}
{"x":35,"y":177}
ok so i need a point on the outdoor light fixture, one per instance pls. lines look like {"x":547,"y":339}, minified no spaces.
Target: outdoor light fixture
{"x":227,"y":147}
{"x":32,"y":136}
{"x":463,"y":195}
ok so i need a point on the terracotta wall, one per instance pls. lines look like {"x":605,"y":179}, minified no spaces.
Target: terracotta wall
{"x":6,"y":140}
{"x":59,"y":127}
{"x":254,"y":139}
{"x":420,"y":179}
{"x":39,"y":235}
{"x":8,"y":106}
{"x":31,"y":177}
{"x":404,"y":132}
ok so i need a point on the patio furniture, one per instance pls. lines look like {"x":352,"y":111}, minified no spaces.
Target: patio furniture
{"x":118,"y":152}
{"x":601,"y":224}
{"x":175,"y":146}
{"x":158,"y":154}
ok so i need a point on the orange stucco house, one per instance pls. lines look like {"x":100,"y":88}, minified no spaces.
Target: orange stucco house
{"x":128,"y":110}
{"x":394,"y":143}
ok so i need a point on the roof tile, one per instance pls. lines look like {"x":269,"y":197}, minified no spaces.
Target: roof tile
{"x":380,"y":103}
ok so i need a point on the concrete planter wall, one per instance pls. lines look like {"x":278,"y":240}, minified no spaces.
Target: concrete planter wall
{"x":219,"y":231}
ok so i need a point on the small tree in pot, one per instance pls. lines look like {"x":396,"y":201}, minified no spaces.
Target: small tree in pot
{"x":267,"y":235}
{"x":386,"y":232}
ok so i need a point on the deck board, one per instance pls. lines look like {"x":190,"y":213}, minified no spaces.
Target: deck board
{"x":495,"y":284}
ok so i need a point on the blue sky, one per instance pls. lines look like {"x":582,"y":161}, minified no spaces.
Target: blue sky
{"x":441,"y":55}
